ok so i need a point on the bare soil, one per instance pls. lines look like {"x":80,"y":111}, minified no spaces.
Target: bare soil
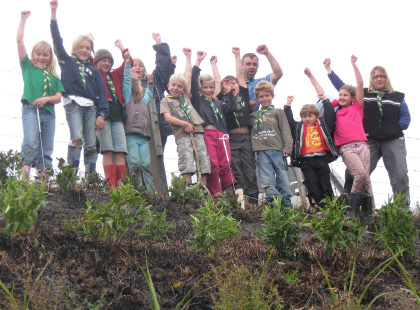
{"x":82,"y":268}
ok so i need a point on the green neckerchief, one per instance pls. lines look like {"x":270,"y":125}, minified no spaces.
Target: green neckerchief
{"x":184,"y":107}
{"x":79,"y":63}
{"x":258,"y":123}
{"x":112,"y":87}
{"x":216,"y":111}
{"x":47,"y":82}
{"x":379,"y":99}
{"x":247,"y":81}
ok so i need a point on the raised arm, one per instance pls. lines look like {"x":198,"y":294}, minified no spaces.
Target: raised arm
{"x":359,"y":81}
{"x":126,"y":88}
{"x":200,"y":56}
{"x":163,"y":68}
{"x":54,"y":6}
{"x":216,"y":75}
{"x":188,"y":67}
{"x":277,"y":71}
{"x":239,"y":69}
{"x":289,"y":115}
{"x":19,"y":38}
{"x":335,"y":80}
{"x":314,"y":82}
{"x":149,"y":90}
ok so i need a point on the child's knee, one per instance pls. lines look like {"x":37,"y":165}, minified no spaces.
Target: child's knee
{"x":76,"y":143}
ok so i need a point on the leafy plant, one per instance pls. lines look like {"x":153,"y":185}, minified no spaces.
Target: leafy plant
{"x":155,"y":227}
{"x":227,"y":201}
{"x":329,"y":229}
{"x":182,"y":192}
{"x":66,"y":177}
{"x":10,"y":164}
{"x":281,"y":228}
{"x":211,"y":226}
{"x":124,"y":209}
{"x":98,"y":305}
{"x":397,"y":229}
{"x":20,"y":204}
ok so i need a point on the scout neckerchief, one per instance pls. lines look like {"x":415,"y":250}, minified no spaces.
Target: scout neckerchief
{"x":47,"y":81}
{"x":258,"y":123}
{"x":379,"y":99}
{"x":184,"y":107}
{"x":247,"y":81}
{"x":112,"y":87}
{"x":216,"y":111}
{"x":79,"y":64}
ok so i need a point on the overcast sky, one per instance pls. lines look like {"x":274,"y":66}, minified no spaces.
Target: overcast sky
{"x":298,"y":33}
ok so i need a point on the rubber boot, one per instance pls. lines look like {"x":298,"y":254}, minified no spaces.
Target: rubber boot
{"x":76,"y":165}
{"x":229,"y":190}
{"x":90,"y":168}
{"x":356,"y":200}
{"x":121,"y":169}
{"x":26,"y":171}
{"x":111,"y":175}
{"x":367,"y":209}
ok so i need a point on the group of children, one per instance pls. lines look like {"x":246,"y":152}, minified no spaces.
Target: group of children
{"x":214,"y":124}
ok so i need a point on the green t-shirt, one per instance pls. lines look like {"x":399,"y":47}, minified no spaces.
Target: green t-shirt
{"x":33,"y":81}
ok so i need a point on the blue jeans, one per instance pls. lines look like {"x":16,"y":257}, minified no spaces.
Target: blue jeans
{"x":82,"y":122}
{"x":31,"y":145}
{"x":139,"y":160}
{"x":274,"y":175}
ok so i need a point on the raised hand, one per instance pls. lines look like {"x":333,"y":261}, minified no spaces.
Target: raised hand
{"x":157,"y":38}
{"x":25,"y":14}
{"x":213,"y":60}
{"x":236,"y":51}
{"x":174,"y":59}
{"x":54,"y":5}
{"x":201,"y":55}
{"x":127,"y":56}
{"x":150,"y":78}
{"x":262,"y":49}
{"x":187,"y":51}
{"x":353,"y":59}
{"x":289,"y":100}
{"x":227,"y":85}
{"x":308,"y":72}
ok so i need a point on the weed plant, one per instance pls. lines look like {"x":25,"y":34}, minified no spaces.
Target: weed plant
{"x":328,"y":226}
{"x":66,"y":176}
{"x":281,"y":228}
{"x":155,"y":227}
{"x":20,"y":204}
{"x":396,"y":228}
{"x":229,"y":202}
{"x":10,"y":164}
{"x":211,"y":226}
{"x":292,"y":278}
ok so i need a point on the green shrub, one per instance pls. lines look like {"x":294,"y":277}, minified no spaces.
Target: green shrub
{"x":329,"y":228}
{"x":182,"y":192}
{"x":10,"y":164}
{"x":66,"y":177}
{"x":155,"y":227}
{"x":229,"y":202}
{"x":281,"y":228}
{"x":211,"y":226}
{"x":20,"y":204}
{"x":396,"y":227}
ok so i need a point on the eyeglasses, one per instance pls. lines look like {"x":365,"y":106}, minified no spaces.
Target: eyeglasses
{"x":377,"y":77}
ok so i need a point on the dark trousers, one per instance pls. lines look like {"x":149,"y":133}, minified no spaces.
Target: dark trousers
{"x":243,"y":162}
{"x":317,"y":178}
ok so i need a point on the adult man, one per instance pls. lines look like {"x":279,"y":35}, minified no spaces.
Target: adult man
{"x":250,"y":64}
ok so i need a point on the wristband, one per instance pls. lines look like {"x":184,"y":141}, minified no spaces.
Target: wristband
{"x":186,"y":124}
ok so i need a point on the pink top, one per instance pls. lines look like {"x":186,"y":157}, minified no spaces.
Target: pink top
{"x":349,"y":124}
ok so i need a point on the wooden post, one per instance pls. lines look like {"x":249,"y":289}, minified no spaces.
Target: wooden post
{"x":302,"y":188}
{"x":156,"y":152}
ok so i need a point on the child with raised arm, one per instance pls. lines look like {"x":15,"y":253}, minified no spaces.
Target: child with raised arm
{"x":239,"y":128}
{"x":42,"y":90}
{"x":214,"y":112}
{"x":137,"y":123}
{"x":351,"y":140}
{"x":112,"y":138}
{"x":85,"y":100}
{"x":313,"y":144}
{"x":272,"y":140}
{"x":186,"y":124}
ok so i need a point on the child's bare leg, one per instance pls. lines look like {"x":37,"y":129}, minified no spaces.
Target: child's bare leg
{"x":204,"y":179}
{"x":188,"y":178}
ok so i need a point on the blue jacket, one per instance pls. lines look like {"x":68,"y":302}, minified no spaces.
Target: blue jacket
{"x":70,"y":76}
{"x":327,"y":124}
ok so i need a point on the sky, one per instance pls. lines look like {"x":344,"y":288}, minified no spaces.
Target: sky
{"x":298,"y":33}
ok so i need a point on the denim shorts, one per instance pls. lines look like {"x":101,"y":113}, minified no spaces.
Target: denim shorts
{"x":112,"y":137}
{"x":186,"y":156}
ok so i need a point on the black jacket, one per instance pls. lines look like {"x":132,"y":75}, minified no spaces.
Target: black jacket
{"x":327,"y":124}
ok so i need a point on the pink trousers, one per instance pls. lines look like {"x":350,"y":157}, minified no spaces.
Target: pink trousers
{"x":221,"y":175}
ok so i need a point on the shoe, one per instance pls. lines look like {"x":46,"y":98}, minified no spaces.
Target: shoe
{"x":229,"y":190}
